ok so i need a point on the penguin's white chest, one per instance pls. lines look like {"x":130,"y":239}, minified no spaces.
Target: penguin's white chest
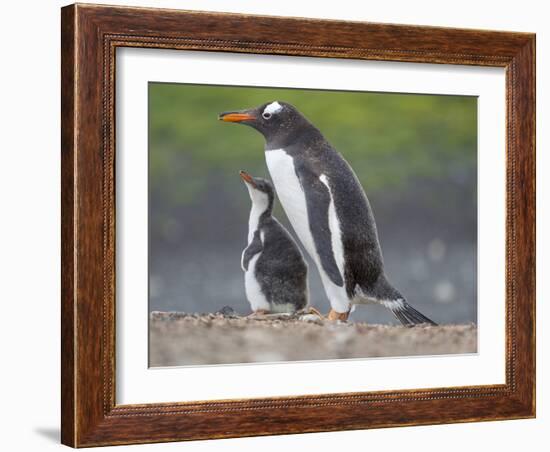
{"x":253,"y":290}
{"x":291,"y":194}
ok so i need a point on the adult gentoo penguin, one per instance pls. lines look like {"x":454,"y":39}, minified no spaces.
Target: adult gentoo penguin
{"x":275,"y":270}
{"x":328,"y":209}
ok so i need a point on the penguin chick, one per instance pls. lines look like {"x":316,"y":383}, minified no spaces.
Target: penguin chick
{"x":275,"y":270}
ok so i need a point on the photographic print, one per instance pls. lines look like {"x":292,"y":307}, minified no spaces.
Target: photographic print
{"x":276,"y":225}
{"x":297,"y":225}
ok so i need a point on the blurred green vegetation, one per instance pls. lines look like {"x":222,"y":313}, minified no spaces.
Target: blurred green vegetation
{"x":388,"y":139}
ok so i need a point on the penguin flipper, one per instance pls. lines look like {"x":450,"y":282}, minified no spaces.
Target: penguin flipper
{"x":318,"y":200}
{"x":253,"y":248}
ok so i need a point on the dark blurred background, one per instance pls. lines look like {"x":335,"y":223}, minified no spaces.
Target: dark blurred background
{"x":416,"y":157}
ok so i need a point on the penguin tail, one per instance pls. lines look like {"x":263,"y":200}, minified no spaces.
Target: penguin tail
{"x":406,"y":314}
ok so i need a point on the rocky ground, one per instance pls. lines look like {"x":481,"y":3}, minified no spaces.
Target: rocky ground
{"x":177,"y":339}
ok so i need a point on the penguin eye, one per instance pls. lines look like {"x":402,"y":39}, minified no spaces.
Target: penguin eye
{"x":266,"y":115}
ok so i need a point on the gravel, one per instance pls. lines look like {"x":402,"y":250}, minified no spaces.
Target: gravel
{"x":179,"y":339}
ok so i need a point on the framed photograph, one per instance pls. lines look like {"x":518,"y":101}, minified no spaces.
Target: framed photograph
{"x":282,"y":225}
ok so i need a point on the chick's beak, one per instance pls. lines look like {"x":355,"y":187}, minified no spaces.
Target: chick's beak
{"x":247,"y":178}
{"x":235,"y":116}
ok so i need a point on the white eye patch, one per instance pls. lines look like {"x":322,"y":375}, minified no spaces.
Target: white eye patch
{"x":272,"y":108}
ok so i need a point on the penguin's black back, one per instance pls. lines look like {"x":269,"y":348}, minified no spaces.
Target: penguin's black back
{"x":281,"y":269}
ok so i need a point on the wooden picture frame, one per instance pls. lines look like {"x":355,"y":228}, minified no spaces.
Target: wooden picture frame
{"x":90,"y":35}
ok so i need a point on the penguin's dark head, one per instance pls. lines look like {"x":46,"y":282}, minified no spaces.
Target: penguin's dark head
{"x":277,"y":121}
{"x":260,"y":190}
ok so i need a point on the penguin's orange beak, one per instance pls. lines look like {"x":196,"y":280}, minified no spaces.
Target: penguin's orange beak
{"x":235,"y":116}
{"x":247,"y":178}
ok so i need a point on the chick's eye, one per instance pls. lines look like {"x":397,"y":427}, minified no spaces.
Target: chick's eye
{"x":266,"y":115}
